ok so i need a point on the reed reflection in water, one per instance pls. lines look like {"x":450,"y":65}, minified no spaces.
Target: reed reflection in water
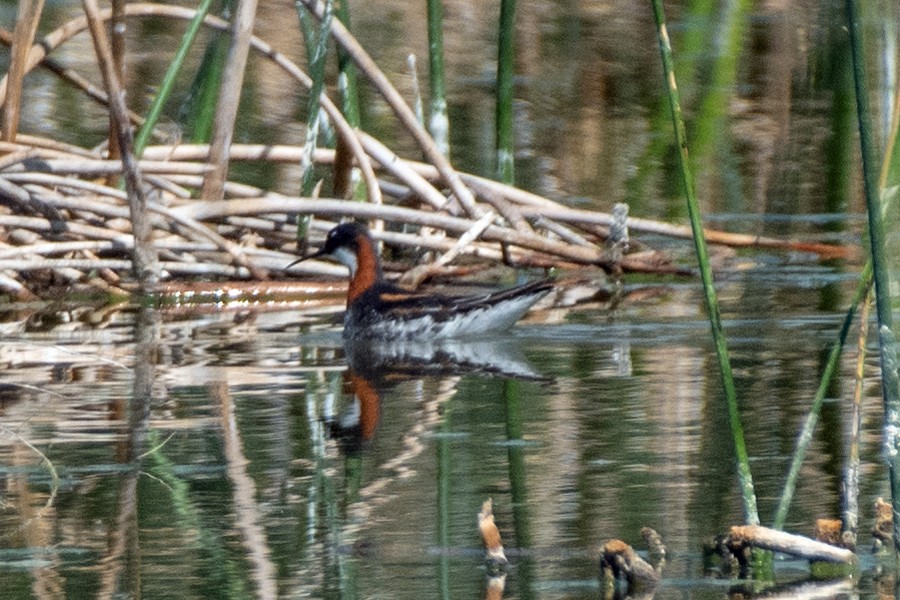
{"x":217,"y":456}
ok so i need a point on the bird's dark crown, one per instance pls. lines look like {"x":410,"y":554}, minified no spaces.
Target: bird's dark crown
{"x":345,"y":235}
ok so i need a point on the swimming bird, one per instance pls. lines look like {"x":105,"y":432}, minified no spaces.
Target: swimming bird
{"x":378,"y":309}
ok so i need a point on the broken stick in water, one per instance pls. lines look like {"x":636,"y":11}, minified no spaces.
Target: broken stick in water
{"x":490,"y":535}
{"x":741,"y":538}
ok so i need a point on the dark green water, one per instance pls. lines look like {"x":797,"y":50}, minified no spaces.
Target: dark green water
{"x":197,"y":457}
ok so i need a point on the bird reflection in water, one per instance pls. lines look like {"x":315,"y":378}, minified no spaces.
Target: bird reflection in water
{"x":373,"y":368}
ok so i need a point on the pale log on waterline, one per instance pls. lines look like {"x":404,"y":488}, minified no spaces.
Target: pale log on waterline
{"x":765,"y":538}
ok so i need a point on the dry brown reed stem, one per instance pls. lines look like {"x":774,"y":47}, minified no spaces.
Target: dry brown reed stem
{"x":103,"y":208}
{"x":243,"y":206}
{"x":404,"y":113}
{"x":15,"y":157}
{"x":143,"y":254}
{"x":397,"y":167}
{"x":229,"y":99}
{"x":18,"y":291}
{"x":47,"y":148}
{"x":99,"y":168}
{"x":27,"y":17}
{"x":486,"y":186}
{"x":419,"y":273}
{"x":117,"y":49}
{"x":535,"y":207}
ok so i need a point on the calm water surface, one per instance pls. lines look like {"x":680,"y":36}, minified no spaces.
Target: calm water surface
{"x":211,"y":456}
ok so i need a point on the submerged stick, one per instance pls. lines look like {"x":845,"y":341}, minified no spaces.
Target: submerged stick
{"x":490,"y":535}
{"x":618,"y":560}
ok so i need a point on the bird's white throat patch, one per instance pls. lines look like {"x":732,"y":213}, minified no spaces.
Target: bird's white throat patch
{"x":346,"y":257}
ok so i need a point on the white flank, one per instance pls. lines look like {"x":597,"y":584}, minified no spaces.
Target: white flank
{"x":480,"y":320}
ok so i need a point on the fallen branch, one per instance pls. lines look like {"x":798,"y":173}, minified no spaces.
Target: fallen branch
{"x":743,"y":537}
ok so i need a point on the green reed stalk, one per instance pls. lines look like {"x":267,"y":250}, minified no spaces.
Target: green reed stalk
{"x":889,"y":178}
{"x":347,"y":75}
{"x":504,"y":112}
{"x":812,"y":418}
{"x":438,"y":121}
{"x":317,"y":47}
{"x":165,"y":89}
{"x":348,"y":86}
{"x":850,"y":500}
{"x":692,"y":41}
{"x":518,"y":485}
{"x":444,"y":468}
{"x":881,"y":277}
{"x":728,"y":40}
{"x":199,"y":110}
{"x":316,"y":51}
{"x":745,"y":479}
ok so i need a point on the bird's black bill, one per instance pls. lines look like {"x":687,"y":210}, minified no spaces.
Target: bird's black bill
{"x":316,"y":254}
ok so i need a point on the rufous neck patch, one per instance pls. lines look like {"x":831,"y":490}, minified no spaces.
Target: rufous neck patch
{"x":367,"y":269}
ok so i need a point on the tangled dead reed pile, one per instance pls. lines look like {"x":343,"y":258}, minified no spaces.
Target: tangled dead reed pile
{"x":66,"y":223}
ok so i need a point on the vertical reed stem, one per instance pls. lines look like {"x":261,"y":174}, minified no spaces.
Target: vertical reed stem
{"x":444,"y":468}
{"x":348,"y":77}
{"x":229,"y":99}
{"x":886,"y":340}
{"x":27,"y":18}
{"x":317,"y":58}
{"x":144,"y":257}
{"x":438,"y":122}
{"x":117,"y":46}
{"x":745,"y":479}
{"x":406,"y":116}
{"x":316,"y":53}
{"x":505,"y":68}
{"x":165,"y":89}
